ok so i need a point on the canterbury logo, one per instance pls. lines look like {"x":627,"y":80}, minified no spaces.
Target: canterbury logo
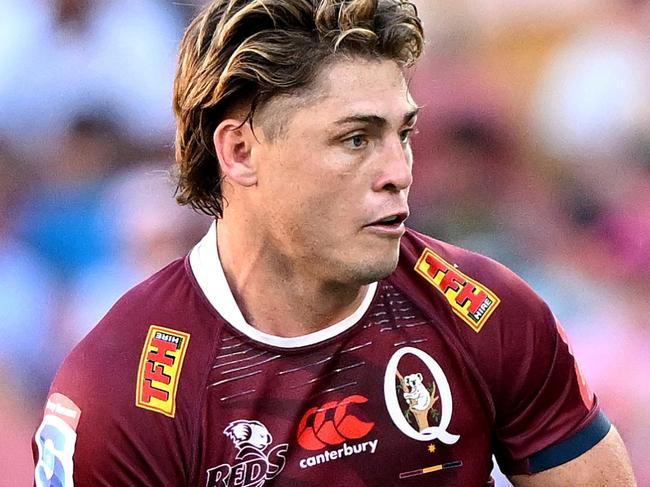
{"x":331,"y":424}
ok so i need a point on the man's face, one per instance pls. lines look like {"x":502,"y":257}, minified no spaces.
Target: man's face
{"x":333,"y":185}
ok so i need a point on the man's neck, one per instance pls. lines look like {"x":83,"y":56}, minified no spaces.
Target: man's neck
{"x":278,"y":296}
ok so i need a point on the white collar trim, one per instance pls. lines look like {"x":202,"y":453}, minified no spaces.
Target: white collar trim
{"x":207,"y":269}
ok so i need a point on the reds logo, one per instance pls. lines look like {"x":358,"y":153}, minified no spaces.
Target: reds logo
{"x":253,"y":467}
{"x":331,"y":424}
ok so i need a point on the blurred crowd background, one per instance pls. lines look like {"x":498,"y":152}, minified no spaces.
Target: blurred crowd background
{"x":534,"y":148}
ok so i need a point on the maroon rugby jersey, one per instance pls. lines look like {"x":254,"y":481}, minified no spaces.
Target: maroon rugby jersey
{"x":446,"y":362}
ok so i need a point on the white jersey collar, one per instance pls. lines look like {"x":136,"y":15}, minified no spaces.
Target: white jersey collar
{"x":207,"y":269}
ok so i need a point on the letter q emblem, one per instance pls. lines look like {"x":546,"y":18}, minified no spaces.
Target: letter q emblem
{"x":428,"y":433}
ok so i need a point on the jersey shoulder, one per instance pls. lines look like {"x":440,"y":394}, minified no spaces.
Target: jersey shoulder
{"x":136,"y":382}
{"x":514,"y":346}
{"x":480,"y":292}
{"x":164,"y":316}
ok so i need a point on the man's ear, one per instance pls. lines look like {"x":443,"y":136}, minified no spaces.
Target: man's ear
{"x":233,"y":142}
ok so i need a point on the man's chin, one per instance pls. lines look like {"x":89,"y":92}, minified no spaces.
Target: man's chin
{"x":373,"y":271}
{"x":363,"y":266}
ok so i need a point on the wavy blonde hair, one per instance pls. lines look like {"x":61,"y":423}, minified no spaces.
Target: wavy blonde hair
{"x":244,"y":52}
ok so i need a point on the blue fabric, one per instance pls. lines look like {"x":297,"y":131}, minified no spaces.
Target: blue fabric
{"x":572,"y":447}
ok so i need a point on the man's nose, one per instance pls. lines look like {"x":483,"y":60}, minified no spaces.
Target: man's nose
{"x":397,"y":165}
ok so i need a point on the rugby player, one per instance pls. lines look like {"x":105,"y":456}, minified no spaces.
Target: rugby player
{"x":310,"y":338}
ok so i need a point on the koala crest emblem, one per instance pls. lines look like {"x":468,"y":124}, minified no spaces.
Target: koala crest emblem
{"x":418,"y":396}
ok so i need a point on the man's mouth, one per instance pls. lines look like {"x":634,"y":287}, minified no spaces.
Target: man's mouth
{"x":391,"y":220}
{"x":388,"y":221}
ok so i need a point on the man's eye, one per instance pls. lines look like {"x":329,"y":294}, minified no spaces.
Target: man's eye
{"x":356,"y":142}
{"x":405,"y":135}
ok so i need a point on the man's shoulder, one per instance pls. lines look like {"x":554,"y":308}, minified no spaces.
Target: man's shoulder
{"x":159,"y":324}
{"x":135,"y":384}
{"x":475,"y":288}
{"x":160,"y":287}
{"x":414,"y":244}
{"x":170,"y":295}
{"x":465,"y":274}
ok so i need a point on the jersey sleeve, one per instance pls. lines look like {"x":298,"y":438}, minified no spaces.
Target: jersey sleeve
{"x":91,"y":433}
{"x":120,"y":410}
{"x":546,"y":415}
{"x":544,"y":412}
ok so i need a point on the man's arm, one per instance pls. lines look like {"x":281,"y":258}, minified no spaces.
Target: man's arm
{"x":606,"y":464}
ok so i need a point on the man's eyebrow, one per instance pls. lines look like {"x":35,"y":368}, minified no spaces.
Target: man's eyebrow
{"x":376,"y":120}
{"x":410,"y":117}
{"x":367,"y":119}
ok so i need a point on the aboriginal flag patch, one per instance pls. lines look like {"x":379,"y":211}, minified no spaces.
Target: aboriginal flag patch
{"x":469,"y":299}
{"x":160,"y":369}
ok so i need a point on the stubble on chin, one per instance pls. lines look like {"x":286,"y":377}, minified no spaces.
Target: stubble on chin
{"x":373,"y":270}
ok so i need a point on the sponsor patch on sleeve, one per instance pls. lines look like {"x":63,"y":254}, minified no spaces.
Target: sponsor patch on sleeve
{"x":160,"y":369}
{"x":469,"y":299}
{"x":55,"y":438}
